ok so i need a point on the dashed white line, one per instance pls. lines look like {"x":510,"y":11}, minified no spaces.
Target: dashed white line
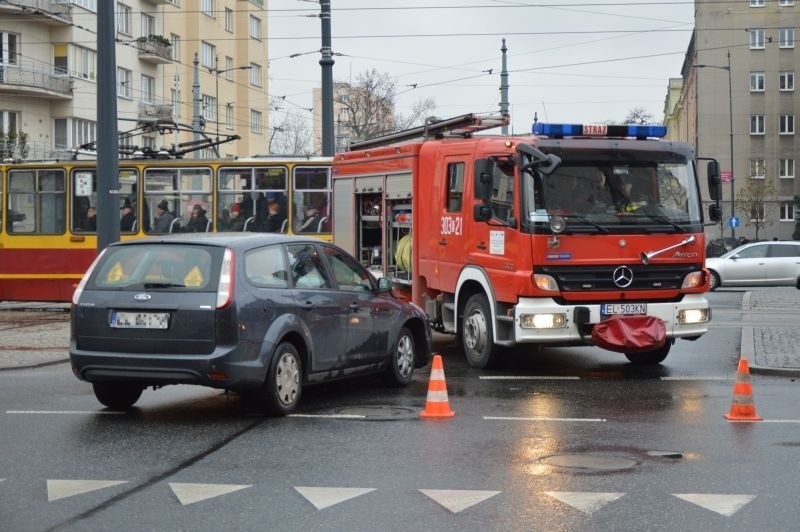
{"x":329,"y":416}
{"x":690,"y":378}
{"x":507,"y":418}
{"x":58,"y":412}
{"x":527,"y":378}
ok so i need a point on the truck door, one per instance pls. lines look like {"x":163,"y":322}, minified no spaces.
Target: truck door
{"x":451,"y":240}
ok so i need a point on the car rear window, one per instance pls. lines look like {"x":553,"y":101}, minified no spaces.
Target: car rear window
{"x":159,"y":266}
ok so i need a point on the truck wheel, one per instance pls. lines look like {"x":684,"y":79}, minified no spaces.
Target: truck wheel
{"x":477,"y":335}
{"x":281,"y":391}
{"x":117,"y":395}
{"x":713,"y":281}
{"x":649,"y":358}
{"x":400,"y":370}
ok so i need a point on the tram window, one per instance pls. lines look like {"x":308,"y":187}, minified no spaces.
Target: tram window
{"x":38,"y":198}
{"x":2,"y":205}
{"x":311,"y":200}
{"x":183,"y":189}
{"x":84,"y":201}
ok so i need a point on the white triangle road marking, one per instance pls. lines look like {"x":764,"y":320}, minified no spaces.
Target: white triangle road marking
{"x":61,"y":489}
{"x":722,"y":504}
{"x":585,"y":501}
{"x":189,"y":493}
{"x":323,"y":497}
{"x":457,"y":500}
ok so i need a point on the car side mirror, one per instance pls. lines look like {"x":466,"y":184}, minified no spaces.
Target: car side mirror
{"x":482,"y":179}
{"x":482,"y":212}
{"x":384,"y":285}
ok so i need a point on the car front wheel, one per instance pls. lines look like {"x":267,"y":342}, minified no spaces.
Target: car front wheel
{"x":401,"y":365}
{"x":282,"y":389}
{"x":117,"y":395}
{"x":713,"y":281}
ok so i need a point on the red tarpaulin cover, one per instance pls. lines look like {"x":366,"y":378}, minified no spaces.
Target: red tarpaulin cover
{"x":630,"y":334}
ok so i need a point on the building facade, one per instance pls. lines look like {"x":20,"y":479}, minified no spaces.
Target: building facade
{"x":739,"y":104}
{"x":48,"y":73}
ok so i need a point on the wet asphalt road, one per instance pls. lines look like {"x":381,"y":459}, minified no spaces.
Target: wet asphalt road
{"x":568,"y":439}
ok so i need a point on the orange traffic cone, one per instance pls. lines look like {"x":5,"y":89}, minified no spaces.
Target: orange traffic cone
{"x":437,"y":404}
{"x":743,"y":408}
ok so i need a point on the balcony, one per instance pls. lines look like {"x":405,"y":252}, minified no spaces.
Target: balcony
{"x":150,"y":113}
{"x":50,"y":11}
{"x":154,"y":49}
{"x":159,"y":2}
{"x":34,"y":80}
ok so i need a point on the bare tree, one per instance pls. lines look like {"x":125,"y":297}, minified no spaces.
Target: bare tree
{"x":290,"y":136}
{"x":639,"y":116}
{"x":752,"y":201}
{"x":416,"y":117}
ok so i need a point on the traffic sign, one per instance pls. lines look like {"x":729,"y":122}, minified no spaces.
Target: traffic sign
{"x":733,"y":221}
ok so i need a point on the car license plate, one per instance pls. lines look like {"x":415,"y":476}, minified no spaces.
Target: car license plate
{"x":140,"y":320}
{"x":608,"y":309}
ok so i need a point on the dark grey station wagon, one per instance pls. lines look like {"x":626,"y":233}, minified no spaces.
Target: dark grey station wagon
{"x":258,"y":314}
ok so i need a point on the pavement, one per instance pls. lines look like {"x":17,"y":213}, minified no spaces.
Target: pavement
{"x":37,"y":334}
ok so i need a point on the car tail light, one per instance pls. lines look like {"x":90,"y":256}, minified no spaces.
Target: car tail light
{"x":76,"y":295}
{"x":225,"y":288}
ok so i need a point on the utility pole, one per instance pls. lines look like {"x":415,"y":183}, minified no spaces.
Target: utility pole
{"x":107,"y":140}
{"x":504,"y":88}
{"x":196,"y":104}
{"x":327,"y":80}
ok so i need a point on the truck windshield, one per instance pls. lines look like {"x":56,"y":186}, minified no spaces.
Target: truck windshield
{"x":662,"y":195}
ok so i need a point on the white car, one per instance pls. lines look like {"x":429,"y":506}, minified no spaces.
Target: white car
{"x":772,"y":263}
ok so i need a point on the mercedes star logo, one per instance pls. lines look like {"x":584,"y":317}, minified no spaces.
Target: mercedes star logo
{"x":623,"y":277}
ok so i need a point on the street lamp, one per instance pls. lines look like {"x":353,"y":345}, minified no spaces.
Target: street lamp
{"x":216,"y":71}
{"x":730,"y":106}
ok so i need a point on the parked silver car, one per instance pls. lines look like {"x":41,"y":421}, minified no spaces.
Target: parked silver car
{"x":772,"y":263}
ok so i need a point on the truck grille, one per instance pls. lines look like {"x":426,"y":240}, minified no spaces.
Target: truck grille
{"x":601,"y":278}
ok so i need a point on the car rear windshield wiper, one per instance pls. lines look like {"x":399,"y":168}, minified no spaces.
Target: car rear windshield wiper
{"x":164,"y":285}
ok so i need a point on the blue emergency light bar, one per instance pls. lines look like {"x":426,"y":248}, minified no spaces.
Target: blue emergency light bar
{"x":598,"y":130}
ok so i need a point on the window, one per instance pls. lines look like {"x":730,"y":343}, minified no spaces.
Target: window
{"x":9,"y":48}
{"x":786,"y":168}
{"x":786,"y":125}
{"x":502,"y":200}
{"x":207,"y":7}
{"x":255,"y":75}
{"x":784,"y":3}
{"x":349,"y":274}
{"x":756,"y":3}
{"x":39,"y":199}
{"x":786,"y":81}
{"x":123,"y":18}
{"x":175,"y":98}
{"x":228,"y":20}
{"x":255,"y":28}
{"x":175,"y":51}
{"x":310,"y":200}
{"x":207,"y":54}
{"x":756,"y":124}
{"x":757,"y":169}
{"x":8,"y":122}
{"x":757,"y":213}
{"x":209,"y":107}
{"x":756,"y":39}
{"x":228,"y":67}
{"x":148,"y":88}
{"x":307,"y":267}
{"x":148,"y":25}
{"x":124,"y":77}
{"x":72,"y":132}
{"x":455,"y":186}
{"x":787,"y":211}
{"x":756,"y":82}
{"x":266,"y":267}
{"x":786,"y":38}
{"x":255,"y":121}
{"x":229,"y":115}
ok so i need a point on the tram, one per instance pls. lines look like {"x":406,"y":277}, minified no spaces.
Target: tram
{"x":48,"y":233}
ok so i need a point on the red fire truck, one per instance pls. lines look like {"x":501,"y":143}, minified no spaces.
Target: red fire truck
{"x":573,"y":235}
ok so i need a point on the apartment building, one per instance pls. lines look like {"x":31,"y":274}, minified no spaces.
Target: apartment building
{"x":737,"y":101}
{"x":48,"y":73}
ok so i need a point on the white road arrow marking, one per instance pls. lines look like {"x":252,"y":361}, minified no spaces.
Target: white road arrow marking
{"x":322,"y":497}
{"x":188,"y":493}
{"x":722,"y":504}
{"x":61,"y":489}
{"x":457,"y":500}
{"x":586,"y":502}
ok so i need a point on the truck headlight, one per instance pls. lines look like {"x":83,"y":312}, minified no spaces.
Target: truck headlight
{"x":543,"y":321}
{"x":694,"y":315}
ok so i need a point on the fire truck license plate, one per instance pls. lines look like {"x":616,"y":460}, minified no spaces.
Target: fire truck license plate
{"x":608,"y":309}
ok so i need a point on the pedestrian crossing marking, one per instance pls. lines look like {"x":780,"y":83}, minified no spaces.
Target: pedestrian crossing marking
{"x":323,"y":497}
{"x":190,"y":493}
{"x":61,"y":489}
{"x":585,"y":501}
{"x":458,"y":500}
{"x":722,"y":504}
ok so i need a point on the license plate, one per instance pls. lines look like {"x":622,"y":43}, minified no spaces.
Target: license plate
{"x":608,"y":309}
{"x":140,"y":320}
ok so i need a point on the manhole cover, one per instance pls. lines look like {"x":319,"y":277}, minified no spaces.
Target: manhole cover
{"x":379,"y":413}
{"x":590,"y":461}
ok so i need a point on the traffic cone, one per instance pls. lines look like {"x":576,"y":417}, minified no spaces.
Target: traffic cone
{"x":743,"y":408}
{"x":437,"y":404}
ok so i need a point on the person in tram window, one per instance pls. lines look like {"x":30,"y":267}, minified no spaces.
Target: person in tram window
{"x":128,"y":219}
{"x":276,"y":214}
{"x":237,"y":220}
{"x":90,"y":223}
{"x":163,"y":220}
{"x":197,"y":221}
